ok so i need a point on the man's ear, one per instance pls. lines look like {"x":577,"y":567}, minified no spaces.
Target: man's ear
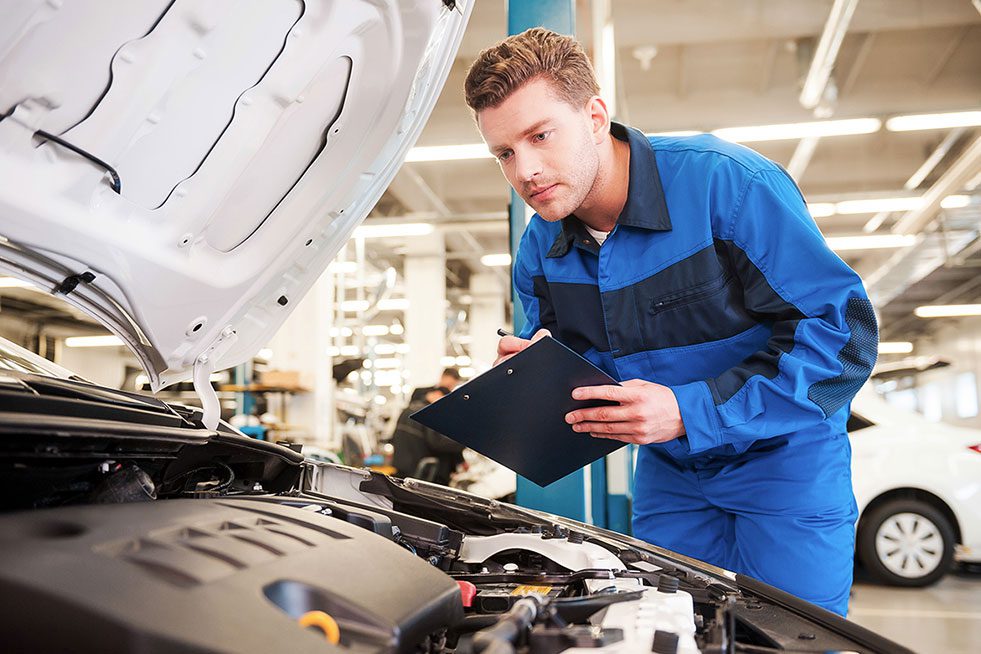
{"x":599,"y":117}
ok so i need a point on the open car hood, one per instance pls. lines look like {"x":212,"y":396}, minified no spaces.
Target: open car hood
{"x":184,"y":171}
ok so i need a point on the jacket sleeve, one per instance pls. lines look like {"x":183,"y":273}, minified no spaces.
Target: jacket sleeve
{"x":824,"y":335}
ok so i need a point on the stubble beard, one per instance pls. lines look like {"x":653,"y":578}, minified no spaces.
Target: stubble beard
{"x":577,"y":185}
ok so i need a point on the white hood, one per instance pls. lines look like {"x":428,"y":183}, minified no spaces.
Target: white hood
{"x":250,"y":138}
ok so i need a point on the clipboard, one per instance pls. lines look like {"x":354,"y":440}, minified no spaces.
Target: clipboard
{"x":515,"y":413}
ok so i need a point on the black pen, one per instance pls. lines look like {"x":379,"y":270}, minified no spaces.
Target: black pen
{"x":502,"y":333}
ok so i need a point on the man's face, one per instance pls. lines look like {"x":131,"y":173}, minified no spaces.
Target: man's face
{"x":433,"y":395}
{"x":545,"y":146}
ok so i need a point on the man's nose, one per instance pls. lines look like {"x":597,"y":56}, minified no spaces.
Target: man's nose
{"x":527,"y":166}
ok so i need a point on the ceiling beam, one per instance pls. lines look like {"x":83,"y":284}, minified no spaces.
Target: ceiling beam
{"x":826,"y":53}
{"x":948,"y":52}
{"x":953,"y":180}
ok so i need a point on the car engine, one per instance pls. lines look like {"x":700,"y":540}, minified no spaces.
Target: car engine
{"x":156,"y":535}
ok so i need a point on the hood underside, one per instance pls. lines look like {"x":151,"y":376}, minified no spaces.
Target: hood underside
{"x":184,"y":171}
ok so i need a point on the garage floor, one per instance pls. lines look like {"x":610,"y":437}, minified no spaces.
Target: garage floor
{"x":943,"y":618}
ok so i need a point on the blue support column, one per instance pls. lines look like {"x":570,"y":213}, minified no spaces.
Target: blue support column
{"x":581,"y":495}
{"x":558,"y":16}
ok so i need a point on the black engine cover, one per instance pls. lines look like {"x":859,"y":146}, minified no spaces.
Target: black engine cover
{"x":202,"y":575}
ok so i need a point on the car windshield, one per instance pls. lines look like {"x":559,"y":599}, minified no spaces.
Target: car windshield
{"x":16,"y":359}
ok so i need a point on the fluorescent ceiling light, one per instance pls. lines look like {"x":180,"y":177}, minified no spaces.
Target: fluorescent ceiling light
{"x":677,"y":133}
{"x":881,"y":205}
{"x":93,"y":341}
{"x":870,"y":241}
{"x":503,"y":259}
{"x":387,"y":363}
{"x":388,"y":304}
{"x":403,"y":229}
{"x":376,"y":330}
{"x":821,"y":209}
{"x":343,"y":267}
{"x":384,"y":349}
{"x":948,"y":310}
{"x":895,"y":347}
{"x":780,"y":132}
{"x":449,"y":152}
{"x":394,"y":304}
{"x":955,"y":201}
{"x":447,"y":361}
{"x":875,"y":205}
{"x":788,"y":131}
{"x":352,"y":306}
{"x":913,"y":122}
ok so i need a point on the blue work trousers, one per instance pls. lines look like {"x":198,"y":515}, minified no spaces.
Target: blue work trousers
{"x":782,"y":512}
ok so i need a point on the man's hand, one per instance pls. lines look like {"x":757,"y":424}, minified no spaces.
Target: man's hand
{"x":508,"y":346}
{"x":648,"y":413}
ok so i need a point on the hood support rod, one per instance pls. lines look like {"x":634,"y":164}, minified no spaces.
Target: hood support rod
{"x":203,"y":367}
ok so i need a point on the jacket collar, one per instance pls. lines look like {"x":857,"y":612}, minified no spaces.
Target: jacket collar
{"x":645,"y":208}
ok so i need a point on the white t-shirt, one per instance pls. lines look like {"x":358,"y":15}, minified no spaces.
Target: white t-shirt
{"x":599,"y":236}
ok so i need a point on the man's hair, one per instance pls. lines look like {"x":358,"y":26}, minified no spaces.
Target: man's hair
{"x":451,"y":372}
{"x":501,"y":69}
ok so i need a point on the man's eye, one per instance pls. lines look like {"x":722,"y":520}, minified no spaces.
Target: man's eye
{"x":541,"y":136}
{"x":504,"y":156}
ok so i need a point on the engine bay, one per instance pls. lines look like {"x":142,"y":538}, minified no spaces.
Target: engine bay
{"x":148,"y":533}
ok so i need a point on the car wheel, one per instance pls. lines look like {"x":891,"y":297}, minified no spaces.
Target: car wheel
{"x":906,"y":543}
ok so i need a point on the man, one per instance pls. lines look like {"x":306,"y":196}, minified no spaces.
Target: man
{"x":690,"y":269}
{"x":450,"y":378}
{"x":413,"y":442}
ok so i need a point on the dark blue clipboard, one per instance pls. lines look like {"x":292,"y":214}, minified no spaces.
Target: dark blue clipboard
{"x":515,"y":413}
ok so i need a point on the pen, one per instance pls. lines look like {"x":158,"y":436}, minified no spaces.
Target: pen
{"x":502,"y":333}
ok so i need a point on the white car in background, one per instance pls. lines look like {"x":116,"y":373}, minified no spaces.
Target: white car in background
{"x":918,"y":487}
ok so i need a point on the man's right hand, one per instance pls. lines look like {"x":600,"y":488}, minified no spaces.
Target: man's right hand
{"x":508,"y":346}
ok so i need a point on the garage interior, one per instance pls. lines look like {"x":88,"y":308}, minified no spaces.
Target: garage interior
{"x":885,"y":144}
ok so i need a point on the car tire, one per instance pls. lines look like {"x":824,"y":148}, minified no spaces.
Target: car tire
{"x":906,"y":542}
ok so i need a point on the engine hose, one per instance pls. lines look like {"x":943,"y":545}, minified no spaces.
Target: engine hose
{"x":579,"y":609}
{"x":502,"y":637}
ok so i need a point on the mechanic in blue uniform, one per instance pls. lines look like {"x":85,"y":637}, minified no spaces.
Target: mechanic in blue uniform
{"x":691,"y":270}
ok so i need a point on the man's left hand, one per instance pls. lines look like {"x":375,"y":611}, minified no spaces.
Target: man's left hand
{"x":647,"y":413}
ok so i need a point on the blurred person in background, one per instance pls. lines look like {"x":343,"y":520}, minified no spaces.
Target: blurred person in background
{"x":414,"y":442}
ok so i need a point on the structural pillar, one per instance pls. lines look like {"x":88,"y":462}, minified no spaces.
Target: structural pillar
{"x":301,"y":344}
{"x":486,"y":317}
{"x":425,"y":317}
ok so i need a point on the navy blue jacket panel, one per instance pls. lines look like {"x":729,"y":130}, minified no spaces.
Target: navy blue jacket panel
{"x":715,"y":282}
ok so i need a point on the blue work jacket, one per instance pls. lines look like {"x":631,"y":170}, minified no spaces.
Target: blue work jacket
{"x":715,"y":282}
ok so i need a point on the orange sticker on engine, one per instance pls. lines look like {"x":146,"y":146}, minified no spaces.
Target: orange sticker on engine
{"x":527,"y":590}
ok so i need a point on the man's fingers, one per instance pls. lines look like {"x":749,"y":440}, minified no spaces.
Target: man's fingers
{"x":511,"y":345}
{"x":602,"y":414}
{"x":540,"y":334}
{"x":609,"y":392}
{"x":634,"y":382}
{"x":605,"y":427}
